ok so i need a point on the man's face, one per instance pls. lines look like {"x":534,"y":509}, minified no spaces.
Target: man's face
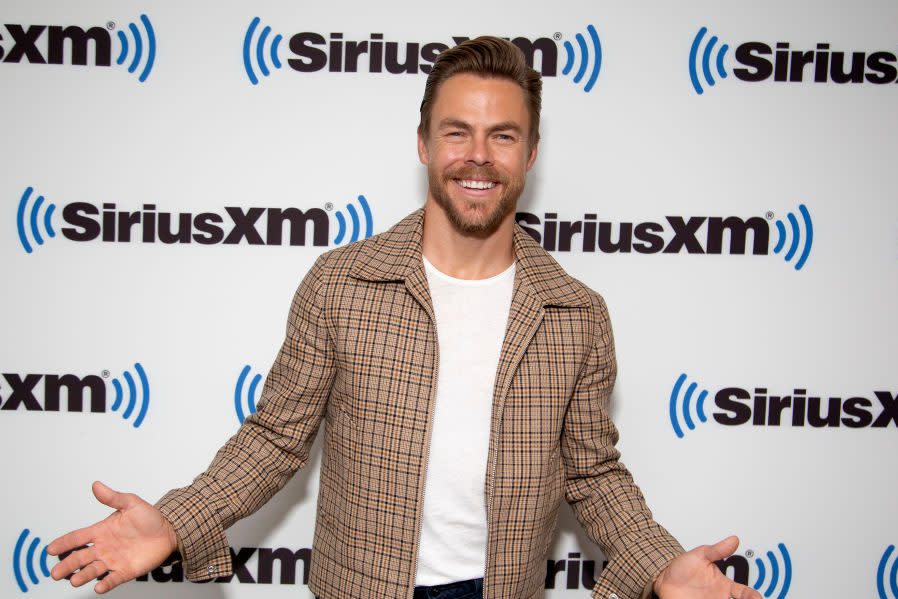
{"x":477,"y":151}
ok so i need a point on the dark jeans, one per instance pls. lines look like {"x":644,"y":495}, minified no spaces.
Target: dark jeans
{"x":466,"y":589}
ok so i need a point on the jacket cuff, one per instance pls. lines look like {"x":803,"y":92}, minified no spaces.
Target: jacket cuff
{"x":201,"y":538}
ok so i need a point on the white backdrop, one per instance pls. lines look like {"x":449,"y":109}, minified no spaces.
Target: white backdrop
{"x":814,"y":504}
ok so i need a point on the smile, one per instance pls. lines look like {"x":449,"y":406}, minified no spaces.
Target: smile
{"x":472,"y":184}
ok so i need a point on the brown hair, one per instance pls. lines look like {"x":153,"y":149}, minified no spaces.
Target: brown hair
{"x":486,"y":56}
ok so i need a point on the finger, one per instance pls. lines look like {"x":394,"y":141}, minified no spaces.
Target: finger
{"x":112,"y":580}
{"x":739,"y":591}
{"x":722,"y":549}
{"x":75,"y":561}
{"x":73,"y":540}
{"x":107,"y":496}
{"x":88,"y":573}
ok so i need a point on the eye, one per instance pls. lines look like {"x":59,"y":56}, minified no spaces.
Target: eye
{"x":505,"y":137}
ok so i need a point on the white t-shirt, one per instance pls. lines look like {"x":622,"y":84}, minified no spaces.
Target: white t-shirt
{"x":471,"y":317}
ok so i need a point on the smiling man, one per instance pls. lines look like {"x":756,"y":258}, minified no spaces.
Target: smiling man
{"x":463,"y":377}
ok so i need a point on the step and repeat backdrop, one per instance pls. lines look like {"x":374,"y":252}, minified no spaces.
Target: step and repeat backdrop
{"x":723,"y":173}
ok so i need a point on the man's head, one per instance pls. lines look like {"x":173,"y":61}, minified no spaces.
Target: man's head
{"x":479,"y":131}
{"x":488,"y":57}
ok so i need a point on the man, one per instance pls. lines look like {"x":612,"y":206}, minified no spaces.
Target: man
{"x":463,"y":378}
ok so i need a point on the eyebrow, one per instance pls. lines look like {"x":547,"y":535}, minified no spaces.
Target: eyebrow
{"x":503,"y":126}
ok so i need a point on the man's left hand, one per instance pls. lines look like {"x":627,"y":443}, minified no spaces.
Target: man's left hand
{"x":694,"y":575}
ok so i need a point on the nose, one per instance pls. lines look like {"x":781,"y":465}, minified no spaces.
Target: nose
{"x":479,"y":152}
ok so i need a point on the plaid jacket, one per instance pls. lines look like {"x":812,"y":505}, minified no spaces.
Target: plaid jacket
{"x":361,"y":355}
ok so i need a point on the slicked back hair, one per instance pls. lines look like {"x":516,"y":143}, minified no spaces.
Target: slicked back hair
{"x":486,"y":56}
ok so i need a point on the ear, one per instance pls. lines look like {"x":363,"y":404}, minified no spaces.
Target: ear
{"x":422,"y":149}
{"x":532,"y":159}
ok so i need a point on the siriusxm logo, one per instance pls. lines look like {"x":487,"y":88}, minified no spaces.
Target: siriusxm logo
{"x":692,"y":235}
{"x":773,"y":571}
{"x":136,"y":48}
{"x":759,"y":62}
{"x":887,"y":576}
{"x":738,"y":406}
{"x":245,"y":394}
{"x":26,"y":555}
{"x":131,"y":395}
{"x":311,"y":52}
{"x":579,"y":574}
{"x":253,"y":226}
{"x":266,"y":558}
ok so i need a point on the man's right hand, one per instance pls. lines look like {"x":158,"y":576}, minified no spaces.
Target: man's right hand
{"x":129,"y":543}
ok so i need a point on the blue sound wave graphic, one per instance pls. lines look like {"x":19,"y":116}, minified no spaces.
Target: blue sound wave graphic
{"x":31,"y":217}
{"x":684,"y":406}
{"x":249,"y":397}
{"x":707,"y":55}
{"x":778,"y":563}
{"x":890,"y":578}
{"x":782,"y":236}
{"x":136,"y":42}
{"x":356,"y":222}
{"x":136,"y":400}
{"x":585,"y":58}
{"x":260,"y":51}
{"x":29,"y":561}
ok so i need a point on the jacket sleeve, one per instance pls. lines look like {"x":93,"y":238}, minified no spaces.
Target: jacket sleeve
{"x":601,"y":491}
{"x":269,"y":447}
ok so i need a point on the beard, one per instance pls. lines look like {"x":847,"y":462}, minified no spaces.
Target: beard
{"x":480,"y":218}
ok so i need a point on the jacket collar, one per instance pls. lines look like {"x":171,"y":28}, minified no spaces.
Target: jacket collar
{"x":395,"y":255}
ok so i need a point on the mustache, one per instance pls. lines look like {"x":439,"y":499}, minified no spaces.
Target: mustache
{"x":487,"y":173}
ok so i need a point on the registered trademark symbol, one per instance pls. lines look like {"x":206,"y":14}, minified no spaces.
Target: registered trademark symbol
{"x":749,"y":553}
{"x":557,"y":35}
{"x":769,"y":215}
{"x":329,"y":206}
{"x":110,"y":25}
{"x":105,"y":374}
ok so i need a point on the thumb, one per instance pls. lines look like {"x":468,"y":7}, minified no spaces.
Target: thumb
{"x":722,"y":549}
{"x":107,"y":496}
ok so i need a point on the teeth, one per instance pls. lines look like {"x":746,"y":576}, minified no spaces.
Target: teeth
{"x":476,"y":184}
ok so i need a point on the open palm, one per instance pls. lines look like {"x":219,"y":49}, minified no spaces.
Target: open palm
{"x":694,"y":575}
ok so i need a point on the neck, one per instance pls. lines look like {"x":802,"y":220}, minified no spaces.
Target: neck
{"x":465,"y":256}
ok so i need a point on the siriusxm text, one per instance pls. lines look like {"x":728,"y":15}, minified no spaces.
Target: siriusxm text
{"x":739,"y":406}
{"x":24,"y":392}
{"x":31,"y":45}
{"x":783,"y":63}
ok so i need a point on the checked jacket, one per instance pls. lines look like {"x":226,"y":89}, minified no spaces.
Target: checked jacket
{"x":361,"y":356}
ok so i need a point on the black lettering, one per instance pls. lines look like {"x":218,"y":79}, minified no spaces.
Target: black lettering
{"x":573,"y":571}
{"x":589,"y":232}
{"x":209,"y":233}
{"x":310,"y":59}
{"x":781,"y":61}
{"x":22,"y":392}
{"x":889,"y":409}
{"x":799,"y":61}
{"x":238,"y":564}
{"x":336,"y":58}
{"x":173,"y":573}
{"x":548,"y":54}
{"x":149,"y":223}
{"x":524,"y":219}
{"x":777,"y":405}
{"x":126,"y":220}
{"x":376,"y":56}
{"x":550,"y":229}
{"x":76,"y":214}
{"x":650,"y":239}
{"x":353,"y":51}
{"x":74,"y":387}
{"x":553,"y":567}
{"x":429,"y":53}
{"x":837,"y":68}
{"x":244,"y":225}
{"x":856,"y":416}
{"x":287,"y":560}
{"x":728,"y":400}
{"x":391,"y":61}
{"x":589,"y":574}
{"x":684,"y":235}
{"x":751,"y":54}
{"x":883,"y":72}
{"x":624,"y":240}
{"x":738,"y":230}
{"x":165,"y":233}
{"x":298,"y":223}
{"x":567,"y":231}
{"x":25,"y":44}
{"x":821,"y":64}
{"x":735,"y":568}
{"x":79,"y":39}
{"x":816,"y":419}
